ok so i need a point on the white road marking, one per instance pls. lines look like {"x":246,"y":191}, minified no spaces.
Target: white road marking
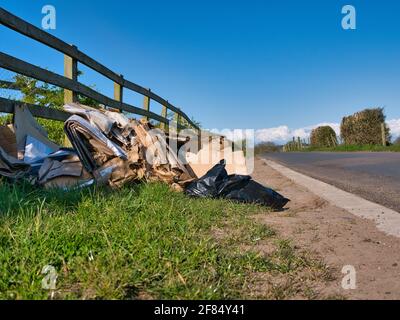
{"x":387,"y":220}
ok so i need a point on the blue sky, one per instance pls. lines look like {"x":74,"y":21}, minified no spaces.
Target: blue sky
{"x":233,"y":64}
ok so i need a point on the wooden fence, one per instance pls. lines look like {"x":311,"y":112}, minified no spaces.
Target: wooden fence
{"x":69,"y":81}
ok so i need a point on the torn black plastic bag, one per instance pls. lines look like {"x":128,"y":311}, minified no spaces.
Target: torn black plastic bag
{"x":216,"y":183}
{"x":209,"y":184}
{"x":249,"y":191}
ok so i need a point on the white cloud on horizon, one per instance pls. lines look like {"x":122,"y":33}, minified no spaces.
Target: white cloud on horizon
{"x":283,"y":134}
{"x":394,"y":126}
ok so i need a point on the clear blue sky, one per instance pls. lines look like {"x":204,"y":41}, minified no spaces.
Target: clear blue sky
{"x":233,"y":64}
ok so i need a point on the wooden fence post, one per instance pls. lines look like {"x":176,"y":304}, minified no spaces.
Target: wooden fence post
{"x":177,"y":119}
{"x":146,"y":105}
{"x":199,"y":139}
{"x":383,"y":132}
{"x":164,"y":115}
{"x":70,"y":72}
{"x":118,"y":92}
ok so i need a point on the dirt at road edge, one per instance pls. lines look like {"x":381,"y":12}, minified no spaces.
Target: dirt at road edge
{"x":337,"y":237}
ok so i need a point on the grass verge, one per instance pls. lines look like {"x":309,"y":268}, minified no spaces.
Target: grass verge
{"x":136,"y":243}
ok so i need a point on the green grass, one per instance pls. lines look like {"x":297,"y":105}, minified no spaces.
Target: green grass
{"x":139,"y":242}
{"x":355,"y":148}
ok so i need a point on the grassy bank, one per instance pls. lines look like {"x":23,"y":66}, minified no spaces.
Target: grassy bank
{"x":142,"y":242}
{"x":355,"y":148}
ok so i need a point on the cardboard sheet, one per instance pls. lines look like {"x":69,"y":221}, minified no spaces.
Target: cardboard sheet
{"x":25,"y":125}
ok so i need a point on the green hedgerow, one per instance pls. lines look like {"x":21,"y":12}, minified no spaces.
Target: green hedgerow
{"x":323,"y":136}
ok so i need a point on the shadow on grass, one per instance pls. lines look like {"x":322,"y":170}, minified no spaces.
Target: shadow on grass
{"x":22,"y":197}
{"x":18,"y":196}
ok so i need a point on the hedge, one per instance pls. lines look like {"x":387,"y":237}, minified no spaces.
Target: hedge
{"x":323,"y":136}
{"x":364,"y":127}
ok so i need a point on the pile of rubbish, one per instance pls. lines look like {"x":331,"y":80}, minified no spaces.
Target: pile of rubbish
{"x":111,"y":149}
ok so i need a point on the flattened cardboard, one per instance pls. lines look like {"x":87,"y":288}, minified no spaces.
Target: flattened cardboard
{"x":26,"y":125}
{"x":8,"y":140}
{"x":12,"y":167}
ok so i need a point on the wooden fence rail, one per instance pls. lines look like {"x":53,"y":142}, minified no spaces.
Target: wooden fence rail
{"x":8,"y":85}
{"x":8,"y":106}
{"x":69,"y":82}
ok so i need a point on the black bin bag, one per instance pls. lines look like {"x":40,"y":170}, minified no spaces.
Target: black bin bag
{"x":208,"y":185}
{"x":216,"y":183}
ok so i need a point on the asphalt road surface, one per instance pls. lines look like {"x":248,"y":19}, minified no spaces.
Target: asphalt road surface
{"x":373,"y":176}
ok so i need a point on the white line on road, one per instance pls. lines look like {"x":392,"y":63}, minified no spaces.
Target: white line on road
{"x":387,"y":220}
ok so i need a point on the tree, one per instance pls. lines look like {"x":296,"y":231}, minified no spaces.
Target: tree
{"x":323,"y":136}
{"x":43,"y":94}
{"x":264,"y":147}
{"x":365,"y":127}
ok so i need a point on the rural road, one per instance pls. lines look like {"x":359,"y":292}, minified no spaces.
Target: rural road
{"x":373,"y":176}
